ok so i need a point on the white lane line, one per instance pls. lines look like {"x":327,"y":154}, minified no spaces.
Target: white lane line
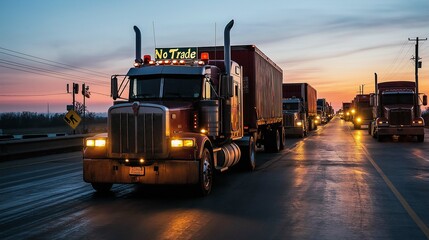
{"x":398,"y":195}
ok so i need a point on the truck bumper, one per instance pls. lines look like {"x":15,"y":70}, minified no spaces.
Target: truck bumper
{"x":414,"y":131}
{"x":294,"y":131}
{"x":161,"y":172}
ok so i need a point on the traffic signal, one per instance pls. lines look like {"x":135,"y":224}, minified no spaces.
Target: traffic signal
{"x":75,"y":88}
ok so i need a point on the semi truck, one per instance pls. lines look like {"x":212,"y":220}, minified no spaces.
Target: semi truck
{"x":396,"y":106}
{"x":347,"y":111}
{"x":299,"y":108}
{"x":363,"y":114}
{"x":179,"y":118}
{"x":322,"y":112}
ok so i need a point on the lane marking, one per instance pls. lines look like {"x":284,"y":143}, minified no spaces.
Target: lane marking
{"x":397,"y":194}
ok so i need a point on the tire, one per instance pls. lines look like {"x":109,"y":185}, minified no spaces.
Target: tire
{"x":283,"y":138}
{"x":206,"y":173}
{"x":273,"y":141}
{"x":102,"y":187}
{"x":420,"y":138}
{"x":247,"y":161}
{"x":369,"y":128}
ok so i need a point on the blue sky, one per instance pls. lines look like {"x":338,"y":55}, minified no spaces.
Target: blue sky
{"x":336,"y":46}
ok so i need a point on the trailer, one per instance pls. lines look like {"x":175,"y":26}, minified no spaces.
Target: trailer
{"x":262,"y":94}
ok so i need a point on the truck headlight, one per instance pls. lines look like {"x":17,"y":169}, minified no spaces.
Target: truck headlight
{"x":418,"y":122}
{"x":382,"y":122}
{"x":299,"y":124}
{"x":358,"y":119}
{"x":95,"y":142}
{"x":178,"y":143}
{"x":95,"y":147}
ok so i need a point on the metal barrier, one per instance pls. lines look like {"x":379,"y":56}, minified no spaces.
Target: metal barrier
{"x":13,"y":149}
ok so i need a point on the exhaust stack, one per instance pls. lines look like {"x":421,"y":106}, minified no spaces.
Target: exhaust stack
{"x":138,"y":45}
{"x":227,"y":47}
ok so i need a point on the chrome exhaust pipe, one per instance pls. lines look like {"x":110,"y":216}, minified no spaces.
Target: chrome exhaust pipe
{"x":227,"y":47}
{"x":138,"y":45}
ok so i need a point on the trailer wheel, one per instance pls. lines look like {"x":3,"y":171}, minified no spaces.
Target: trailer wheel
{"x":206,"y":173}
{"x":102,"y":187}
{"x":273,"y":142}
{"x":282,"y":138}
{"x":420,"y":138}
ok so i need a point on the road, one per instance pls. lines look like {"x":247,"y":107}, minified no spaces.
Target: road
{"x":338,"y":183}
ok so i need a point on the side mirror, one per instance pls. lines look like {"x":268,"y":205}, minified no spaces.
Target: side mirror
{"x":114,"y":88}
{"x":425,"y":100}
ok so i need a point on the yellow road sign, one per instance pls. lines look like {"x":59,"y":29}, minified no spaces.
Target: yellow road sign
{"x":72,"y":119}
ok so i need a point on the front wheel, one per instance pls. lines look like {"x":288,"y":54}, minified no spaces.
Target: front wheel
{"x":247,"y":161}
{"x":102,"y":187}
{"x":206,"y":173}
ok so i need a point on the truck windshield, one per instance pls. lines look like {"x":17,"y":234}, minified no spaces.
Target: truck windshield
{"x":165,"y":87}
{"x":398,"y":98}
{"x":290,"y":106}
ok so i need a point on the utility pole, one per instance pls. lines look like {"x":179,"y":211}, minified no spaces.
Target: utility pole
{"x":416,"y":71}
{"x":85,"y":94}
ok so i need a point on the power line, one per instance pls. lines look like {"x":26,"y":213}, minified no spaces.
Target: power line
{"x":48,"y":71}
{"x":71,"y":67}
{"x":48,"y":75}
{"x":31,"y":95}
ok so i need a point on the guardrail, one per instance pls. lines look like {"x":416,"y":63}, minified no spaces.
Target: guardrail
{"x":13,"y":149}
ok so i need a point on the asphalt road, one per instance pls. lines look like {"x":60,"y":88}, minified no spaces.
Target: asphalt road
{"x":338,"y":183}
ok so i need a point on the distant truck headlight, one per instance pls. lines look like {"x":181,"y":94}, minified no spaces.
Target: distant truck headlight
{"x":382,"y":122}
{"x":299,"y":124}
{"x":178,"y":143}
{"x":358,"y":119}
{"x":418,"y":122}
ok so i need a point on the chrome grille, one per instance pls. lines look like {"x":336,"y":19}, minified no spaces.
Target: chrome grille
{"x":400,"y":117}
{"x":288,"y":120}
{"x":141,"y":135}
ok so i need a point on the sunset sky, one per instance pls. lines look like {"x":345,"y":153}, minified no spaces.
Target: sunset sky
{"x":334,"y":45}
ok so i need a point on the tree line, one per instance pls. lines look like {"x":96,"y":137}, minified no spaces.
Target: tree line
{"x":35,"y":120}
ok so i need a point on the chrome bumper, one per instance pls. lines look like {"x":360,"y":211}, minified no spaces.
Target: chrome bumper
{"x":294,"y":130}
{"x":161,"y":172}
{"x":401,"y":131}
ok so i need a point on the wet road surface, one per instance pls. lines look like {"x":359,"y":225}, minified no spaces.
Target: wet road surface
{"x":338,"y":183}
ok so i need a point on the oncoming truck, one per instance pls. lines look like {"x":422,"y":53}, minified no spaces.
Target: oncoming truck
{"x":363,"y":111}
{"x":397,"y":109}
{"x":187,"y":116}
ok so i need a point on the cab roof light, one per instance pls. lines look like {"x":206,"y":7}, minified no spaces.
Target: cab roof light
{"x":204,"y":56}
{"x":146,"y":59}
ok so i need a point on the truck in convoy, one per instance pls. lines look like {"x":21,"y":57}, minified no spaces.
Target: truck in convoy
{"x":187,"y":116}
{"x":322,"y":110}
{"x":396,"y":107}
{"x":347,"y":111}
{"x":299,"y":108}
{"x":363,"y":111}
